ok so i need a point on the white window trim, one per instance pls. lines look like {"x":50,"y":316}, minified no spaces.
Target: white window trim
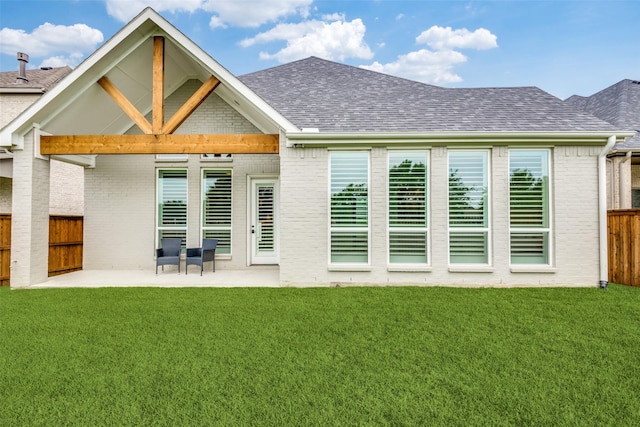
{"x":201,"y":216}
{"x":405,"y":267}
{"x":535,"y":268}
{"x":473,"y":267}
{"x":360,"y":266}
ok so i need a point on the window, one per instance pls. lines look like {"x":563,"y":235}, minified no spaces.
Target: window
{"x":635,"y":198}
{"x":216,"y":208}
{"x":172,"y":157}
{"x":172,"y":204}
{"x":468,"y":207}
{"x":408,"y":222}
{"x":349,"y":228}
{"x":529,"y":206}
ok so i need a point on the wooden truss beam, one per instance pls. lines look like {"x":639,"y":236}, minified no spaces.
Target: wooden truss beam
{"x":190,"y":106}
{"x":158,"y":84}
{"x":160,"y":144}
{"x":126,"y":106}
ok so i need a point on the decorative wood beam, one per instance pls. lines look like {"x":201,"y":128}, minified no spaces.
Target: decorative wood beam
{"x":160,"y":144}
{"x":190,"y":106}
{"x":126,"y":106}
{"x":158,"y":84}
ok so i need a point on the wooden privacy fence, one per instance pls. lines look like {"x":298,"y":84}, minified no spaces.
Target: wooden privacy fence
{"x":624,"y":246}
{"x":5,"y":249}
{"x":65,"y":245}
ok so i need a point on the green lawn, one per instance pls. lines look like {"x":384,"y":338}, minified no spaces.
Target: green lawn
{"x":320,"y":357}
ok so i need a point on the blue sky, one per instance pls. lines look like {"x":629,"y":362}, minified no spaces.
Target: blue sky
{"x":564,"y":47}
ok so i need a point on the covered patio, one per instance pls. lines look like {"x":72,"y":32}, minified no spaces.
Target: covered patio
{"x":257,"y":276}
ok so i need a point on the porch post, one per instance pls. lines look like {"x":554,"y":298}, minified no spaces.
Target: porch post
{"x":29,"y":216}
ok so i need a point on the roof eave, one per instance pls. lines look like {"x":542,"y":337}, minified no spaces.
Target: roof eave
{"x":371,"y":138}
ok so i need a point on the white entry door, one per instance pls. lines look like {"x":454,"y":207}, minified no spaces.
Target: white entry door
{"x":264,"y":221}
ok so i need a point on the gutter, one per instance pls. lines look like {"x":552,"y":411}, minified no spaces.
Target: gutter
{"x":313,"y":137}
{"x":602,"y":211}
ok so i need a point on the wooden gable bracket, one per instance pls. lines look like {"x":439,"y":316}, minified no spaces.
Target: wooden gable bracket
{"x":158,"y":137}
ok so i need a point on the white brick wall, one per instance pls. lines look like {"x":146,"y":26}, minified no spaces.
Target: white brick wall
{"x":575,"y":228}
{"x":14,"y":104}
{"x":120,"y":193}
{"x":30,"y":217}
{"x":67,"y":189}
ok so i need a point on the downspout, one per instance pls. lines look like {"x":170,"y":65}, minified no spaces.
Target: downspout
{"x":602,"y":199}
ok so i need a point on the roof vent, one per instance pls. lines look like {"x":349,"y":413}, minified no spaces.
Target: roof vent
{"x":46,"y":68}
{"x":23,"y":59}
{"x":635,"y":82}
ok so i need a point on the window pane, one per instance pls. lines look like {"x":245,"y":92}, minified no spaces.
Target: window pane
{"x":407,"y":189}
{"x":468,"y":182}
{"x":224,"y":240}
{"x":468,"y":248}
{"x":408,"y":247}
{"x":530,"y":248}
{"x":349,"y":246}
{"x":349,"y":189}
{"x":172,"y":198}
{"x":529,"y":183}
{"x":407,"y":207}
{"x":349,"y":215}
{"x":216,"y":208}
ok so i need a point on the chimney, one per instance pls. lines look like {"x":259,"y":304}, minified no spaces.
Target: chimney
{"x":23,"y":59}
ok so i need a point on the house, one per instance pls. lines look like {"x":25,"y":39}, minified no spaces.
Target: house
{"x":18,"y":90}
{"x":330,"y":173}
{"x":619,"y":105}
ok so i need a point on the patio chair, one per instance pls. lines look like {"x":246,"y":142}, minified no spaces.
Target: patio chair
{"x":198,"y":256}
{"x":169,"y":253}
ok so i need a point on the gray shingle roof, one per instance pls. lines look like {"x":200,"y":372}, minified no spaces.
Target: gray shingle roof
{"x":42,"y":78}
{"x":334,"y":97}
{"x":619,"y":104}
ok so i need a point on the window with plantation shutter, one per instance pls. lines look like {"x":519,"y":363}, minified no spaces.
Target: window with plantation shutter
{"x":469,"y":232}
{"x":216,"y":208}
{"x":529,"y":206}
{"x":172,"y":204}
{"x":349,"y":215}
{"x":408,"y":219}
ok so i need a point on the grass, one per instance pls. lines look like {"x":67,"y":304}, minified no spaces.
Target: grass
{"x":320,"y":357}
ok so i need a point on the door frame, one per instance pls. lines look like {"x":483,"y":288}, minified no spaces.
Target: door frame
{"x":252,"y":180}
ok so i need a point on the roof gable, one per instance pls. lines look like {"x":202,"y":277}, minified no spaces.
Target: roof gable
{"x":78,"y":105}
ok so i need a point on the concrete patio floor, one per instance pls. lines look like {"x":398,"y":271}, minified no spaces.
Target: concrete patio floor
{"x":251,"y":277}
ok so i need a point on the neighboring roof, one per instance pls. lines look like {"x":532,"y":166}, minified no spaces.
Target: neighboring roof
{"x":38,"y":80}
{"x":619,"y":105}
{"x":333,"y":97}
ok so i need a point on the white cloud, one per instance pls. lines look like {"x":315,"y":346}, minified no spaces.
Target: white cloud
{"x":436,"y":66}
{"x":60,"y":61}
{"x":440,"y":38}
{"x":125,"y":10}
{"x":336,"y":40}
{"x":424,"y":66}
{"x":66,"y":45}
{"x":239,"y":13}
{"x":253,"y":13}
